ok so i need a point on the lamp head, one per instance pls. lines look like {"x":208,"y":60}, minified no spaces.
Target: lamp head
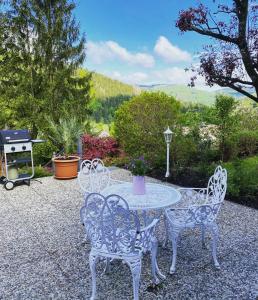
{"x":168,"y":135}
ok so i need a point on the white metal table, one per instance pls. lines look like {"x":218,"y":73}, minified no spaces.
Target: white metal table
{"x":157,"y":196}
{"x":155,"y":200}
{"x":151,"y":204}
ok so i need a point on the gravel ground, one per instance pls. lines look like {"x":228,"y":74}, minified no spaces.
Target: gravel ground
{"x":43,"y":254}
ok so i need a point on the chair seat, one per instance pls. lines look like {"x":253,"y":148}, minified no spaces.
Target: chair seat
{"x":180,"y":220}
{"x":193,"y":197}
{"x":123,"y":247}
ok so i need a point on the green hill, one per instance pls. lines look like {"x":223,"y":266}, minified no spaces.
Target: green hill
{"x":109,"y":94}
{"x":193,"y":95}
{"x":234,"y":93}
{"x":184,"y":93}
{"x":106,"y":87}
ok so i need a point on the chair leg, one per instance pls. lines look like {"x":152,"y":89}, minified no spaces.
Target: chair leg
{"x":135,"y":267}
{"x":93,"y":261}
{"x":174,"y":238}
{"x":203,"y":237}
{"x":107,"y":266}
{"x":215,"y":234}
{"x":83,"y":239}
{"x":164,"y":244}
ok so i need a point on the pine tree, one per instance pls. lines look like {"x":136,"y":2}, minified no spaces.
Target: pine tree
{"x":41,"y":54}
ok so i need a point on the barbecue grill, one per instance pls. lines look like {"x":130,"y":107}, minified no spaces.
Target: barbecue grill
{"x":15,"y":152}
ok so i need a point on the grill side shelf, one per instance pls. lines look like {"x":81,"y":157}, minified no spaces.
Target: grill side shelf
{"x":19,"y":161}
{"x":24,"y":176}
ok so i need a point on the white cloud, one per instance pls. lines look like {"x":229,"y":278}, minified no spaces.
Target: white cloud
{"x":169,"y":52}
{"x":174,"y":75}
{"x":110,"y":51}
{"x":131,"y":78}
{"x":99,"y":52}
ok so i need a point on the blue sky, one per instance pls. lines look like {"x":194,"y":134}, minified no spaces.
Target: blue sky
{"x":136,"y":41}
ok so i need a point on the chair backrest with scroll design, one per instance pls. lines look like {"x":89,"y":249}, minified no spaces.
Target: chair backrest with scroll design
{"x":217,"y":186}
{"x":216,"y":190}
{"x":93,"y":176}
{"x":99,"y":176}
{"x":109,"y":224}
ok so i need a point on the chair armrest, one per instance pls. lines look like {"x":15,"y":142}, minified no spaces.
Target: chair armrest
{"x":114,"y":181}
{"x":204,"y":213}
{"x":145,"y":236}
{"x":192,"y":196}
{"x":191,"y":189}
{"x":150,"y":226}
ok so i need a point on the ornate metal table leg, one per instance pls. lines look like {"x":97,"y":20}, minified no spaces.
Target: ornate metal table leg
{"x":154,"y":266}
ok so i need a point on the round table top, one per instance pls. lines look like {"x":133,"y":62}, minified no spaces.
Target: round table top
{"x":157,"y":196}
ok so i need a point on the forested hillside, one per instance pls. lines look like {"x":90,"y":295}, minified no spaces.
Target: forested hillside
{"x":185,"y":93}
{"x":108,"y":95}
{"x":191,"y":94}
{"x":106,"y":87}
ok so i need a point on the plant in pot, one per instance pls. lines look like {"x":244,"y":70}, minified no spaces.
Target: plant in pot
{"x":65,"y":135}
{"x":138,"y":168}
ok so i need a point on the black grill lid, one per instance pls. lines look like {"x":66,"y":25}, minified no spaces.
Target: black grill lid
{"x":14,"y":136}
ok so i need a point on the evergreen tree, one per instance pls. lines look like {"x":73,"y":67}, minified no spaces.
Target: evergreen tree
{"x":40,"y":55}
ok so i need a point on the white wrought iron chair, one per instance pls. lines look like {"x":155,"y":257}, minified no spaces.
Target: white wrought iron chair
{"x":201,"y":207}
{"x":115,"y":233}
{"x":93,"y":176}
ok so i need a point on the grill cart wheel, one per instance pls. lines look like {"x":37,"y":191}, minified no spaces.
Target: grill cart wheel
{"x":9,"y":185}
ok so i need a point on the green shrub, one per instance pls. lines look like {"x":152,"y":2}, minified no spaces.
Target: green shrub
{"x":42,"y":172}
{"x":139,"y":125}
{"x":247,"y":142}
{"x":242,"y":184}
{"x":39,"y":171}
{"x":43,"y":152}
{"x":65,"y":134}
{"x":233,"y":187}
{"x":183,"y":149}
{"x":243,"y":178}
{"x":120,"y":161}
{"x":193,"y":176}
{"x":230,"y":149}
{"x":227,"y":121}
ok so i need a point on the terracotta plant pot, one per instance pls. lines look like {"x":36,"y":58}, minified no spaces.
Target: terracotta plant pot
{"x":66,"y":168}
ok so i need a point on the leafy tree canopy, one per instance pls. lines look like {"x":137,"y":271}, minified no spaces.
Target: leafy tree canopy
{"x":139,"y":124}
{"x":233,"y":60}
{"x":41,"y":49}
